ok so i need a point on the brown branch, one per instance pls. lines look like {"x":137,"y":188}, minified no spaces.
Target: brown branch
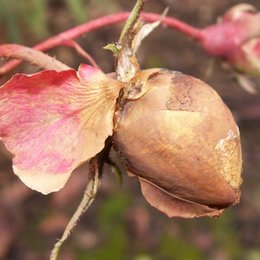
{"x":88,"y":197}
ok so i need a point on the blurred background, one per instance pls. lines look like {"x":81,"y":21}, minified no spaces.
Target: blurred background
{"x":120,"y":224}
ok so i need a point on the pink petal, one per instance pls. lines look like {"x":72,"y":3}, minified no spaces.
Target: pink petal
{"x":54,"y":121}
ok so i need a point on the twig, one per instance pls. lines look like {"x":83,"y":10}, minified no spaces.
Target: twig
{"x":32,"y":56}
{"x":126,"y":61}
{"x":174,"y":23}
{"x":102,"y":22}
{"x":81,"y":51}
{"x":131,"y":20}
{"x":88,"y":197}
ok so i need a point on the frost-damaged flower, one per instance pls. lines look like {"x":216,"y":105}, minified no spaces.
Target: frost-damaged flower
{"x":236,"y":38}
{"x":53,"y":121}
{"x":183,"y":144}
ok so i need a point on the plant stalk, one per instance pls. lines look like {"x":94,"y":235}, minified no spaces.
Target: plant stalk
{"x":32,"y":56}
{"x":102,"y":22}
{"x":131,"y":20}
{"x":88,"y":197}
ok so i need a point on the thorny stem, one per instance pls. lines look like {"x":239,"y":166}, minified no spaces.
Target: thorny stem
{"x":32,"y":56}
{"x":131,"y":20}
{"x":102,"y":22}
{"x":126,"y":62}
{"x":174,"y":23}
{"x":88,"y":197}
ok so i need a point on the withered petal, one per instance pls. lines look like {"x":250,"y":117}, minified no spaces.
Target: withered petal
{"x":173,"y":206}
{"x":53,"y":121}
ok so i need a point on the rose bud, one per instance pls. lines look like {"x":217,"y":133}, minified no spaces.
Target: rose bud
{"x":247,"y":58}
{"x":181,"y":141}
{"x":231,"y":38}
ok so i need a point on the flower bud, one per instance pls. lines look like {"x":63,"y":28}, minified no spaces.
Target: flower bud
{"x":247,"y":58}
{"x":182,"y":142}
{"x":230,"y":38}
{"x":239,"y":11}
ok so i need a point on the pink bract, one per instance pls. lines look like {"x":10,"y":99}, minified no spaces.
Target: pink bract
{"x":53,"y":121}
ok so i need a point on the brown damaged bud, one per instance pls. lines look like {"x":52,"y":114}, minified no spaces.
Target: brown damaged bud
{"x":183,"y":144}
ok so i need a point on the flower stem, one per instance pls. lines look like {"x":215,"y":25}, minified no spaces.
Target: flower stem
{"x":102,"y":22}
{"x":131,"y":20}
{"x":88,"y":197}
{"x":32,"y":56}
{"x":174,"y":23}
{"x":126,"y":61}
{"x":81,"y":52}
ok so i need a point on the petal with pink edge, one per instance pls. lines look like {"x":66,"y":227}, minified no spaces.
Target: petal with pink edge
{"x":53,"y":121}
